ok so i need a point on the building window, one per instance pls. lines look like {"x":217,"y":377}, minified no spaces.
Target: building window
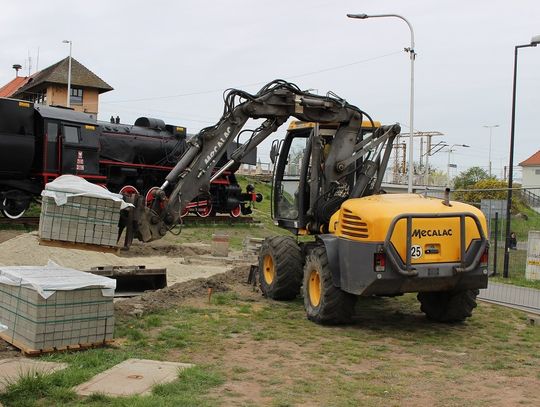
{"x":76,"y":96}
{"x":536,"y":172}
{"x":39,"y":96}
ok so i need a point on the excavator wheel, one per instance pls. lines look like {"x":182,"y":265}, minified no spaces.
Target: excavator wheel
{"x":448,"y":306}
{"x":324,"y":302}
{"x":280,"y":268}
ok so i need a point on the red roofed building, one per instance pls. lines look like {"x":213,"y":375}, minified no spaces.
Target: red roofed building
{"x":10,"y":88}
{"x":49,"y":87}
{"x":531,"y":172}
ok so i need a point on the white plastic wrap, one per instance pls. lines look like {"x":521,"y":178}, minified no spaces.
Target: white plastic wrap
{"x":3,"y":327}
{"x":46,"y":280}
{"x":66,"y":186}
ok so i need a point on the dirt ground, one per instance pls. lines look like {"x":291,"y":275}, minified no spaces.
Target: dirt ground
{"x":182,"y":293}
{"x":183,"y":262}
{"x":9,"y":234}
{"x":428,"y":376}
{"x":392,"y":357}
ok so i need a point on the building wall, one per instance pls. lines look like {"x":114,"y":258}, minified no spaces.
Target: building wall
{"x":531,"y":178}
{"x":90,"y":101}
{"x":56,"y":95}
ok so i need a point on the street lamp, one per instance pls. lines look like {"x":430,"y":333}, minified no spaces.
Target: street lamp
{"x":448,"y":164}
{"x":412,"y":55}
{"x":490,"y":127}
{"x":69,"y":73}
{"x":534,"y":42}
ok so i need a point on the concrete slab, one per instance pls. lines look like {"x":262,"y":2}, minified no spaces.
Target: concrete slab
{"x":132,"y":376}
{"x":13,"y":368}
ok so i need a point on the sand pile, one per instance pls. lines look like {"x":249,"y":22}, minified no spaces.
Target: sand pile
{"x":25,"y":250}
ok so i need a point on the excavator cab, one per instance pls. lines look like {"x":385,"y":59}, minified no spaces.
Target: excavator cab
{"x":289,"y":193}
{"x":297,"y":185}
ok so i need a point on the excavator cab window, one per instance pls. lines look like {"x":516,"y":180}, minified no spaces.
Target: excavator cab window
{"x":289,"y":191}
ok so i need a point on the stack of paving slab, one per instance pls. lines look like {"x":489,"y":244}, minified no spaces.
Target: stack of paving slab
{"x":251,"y":247}
{"x":75,"y":210}
{"x":51,"y":307}
{"x":80,"y":220}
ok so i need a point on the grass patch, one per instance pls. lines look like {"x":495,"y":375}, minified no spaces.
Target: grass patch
{"x":378,"y":360}
{"x":522,"y":226}
{"x":516,"y":269}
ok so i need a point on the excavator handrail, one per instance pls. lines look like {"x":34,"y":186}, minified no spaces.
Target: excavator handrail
{"x":395,"y":258}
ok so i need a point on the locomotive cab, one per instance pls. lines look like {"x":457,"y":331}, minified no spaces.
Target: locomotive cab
{"x":69,"y":144}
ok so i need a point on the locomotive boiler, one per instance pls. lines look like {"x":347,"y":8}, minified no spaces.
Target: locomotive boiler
{"x":39,"y":143}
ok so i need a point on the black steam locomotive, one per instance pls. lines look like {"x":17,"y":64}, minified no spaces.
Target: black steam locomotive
{"x":39,"y":143}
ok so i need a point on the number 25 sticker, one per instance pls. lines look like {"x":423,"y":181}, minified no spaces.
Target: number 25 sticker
{"x":416,"y":251}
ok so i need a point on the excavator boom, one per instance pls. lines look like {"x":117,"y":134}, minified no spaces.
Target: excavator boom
{"x":276,"y":102}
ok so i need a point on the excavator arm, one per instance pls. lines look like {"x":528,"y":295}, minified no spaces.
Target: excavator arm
{"x":276,"y":102}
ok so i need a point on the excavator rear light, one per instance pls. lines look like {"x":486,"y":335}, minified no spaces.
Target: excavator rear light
{"x":379,"y":262}
{"x":484,"y":260}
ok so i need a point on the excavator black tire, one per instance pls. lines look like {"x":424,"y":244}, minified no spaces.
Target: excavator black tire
{"x":280,"y":268}
{"x":324,"y":302}
{"x":448,"y":306}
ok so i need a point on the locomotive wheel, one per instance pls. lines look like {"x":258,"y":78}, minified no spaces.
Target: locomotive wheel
{"x":129,"y":190}
{"x":13,"y":209}
{"x":185,"y":212}
{"x":204,"y":211}
{"x":151,"y":196}
{"x":236,"y":212}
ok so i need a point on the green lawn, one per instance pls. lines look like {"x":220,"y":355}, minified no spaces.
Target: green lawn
{"x":250,"y":351}
{"x":516,"y":269}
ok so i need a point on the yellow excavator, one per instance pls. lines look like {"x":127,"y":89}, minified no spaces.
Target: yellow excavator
{"x":327,"y":183}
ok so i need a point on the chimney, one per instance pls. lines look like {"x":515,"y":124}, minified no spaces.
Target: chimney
{"x":17,"y":67}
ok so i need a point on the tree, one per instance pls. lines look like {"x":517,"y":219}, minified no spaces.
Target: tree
{"x":467,"y":179}
{"x":484,"y":189}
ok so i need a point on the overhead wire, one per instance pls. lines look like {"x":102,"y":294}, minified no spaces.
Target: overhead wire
{"x":195,"y":93}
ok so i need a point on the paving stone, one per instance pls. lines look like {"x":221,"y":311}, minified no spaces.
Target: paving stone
{"x":220,"y":245}
{"x":132,"y":376}
{"x":14,"y":368}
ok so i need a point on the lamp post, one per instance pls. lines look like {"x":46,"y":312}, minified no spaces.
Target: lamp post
{"x":490,"y":127}
{"x":534,"y":42}
{"x":448,"y":164}
{"x":69,"y":73}
{"x":412,"y":55}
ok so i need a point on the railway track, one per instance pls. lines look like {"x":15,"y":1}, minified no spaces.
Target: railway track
{"x":188,"y":220}
{"x":25,"y":220}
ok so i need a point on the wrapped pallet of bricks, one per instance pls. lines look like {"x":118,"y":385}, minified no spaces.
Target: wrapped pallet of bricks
{"x":53,"y":308}
{"x":74,"y":210}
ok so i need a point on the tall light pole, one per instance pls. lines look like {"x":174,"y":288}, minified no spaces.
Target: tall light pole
{"x":448,"y":164}
{"x":69,"y":73}
{"x":490,"y":127}
{"x":534,"y":42}
{"x":412,"y":55}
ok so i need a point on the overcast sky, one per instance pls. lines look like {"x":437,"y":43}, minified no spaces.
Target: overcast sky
{"x":173,"y":59}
